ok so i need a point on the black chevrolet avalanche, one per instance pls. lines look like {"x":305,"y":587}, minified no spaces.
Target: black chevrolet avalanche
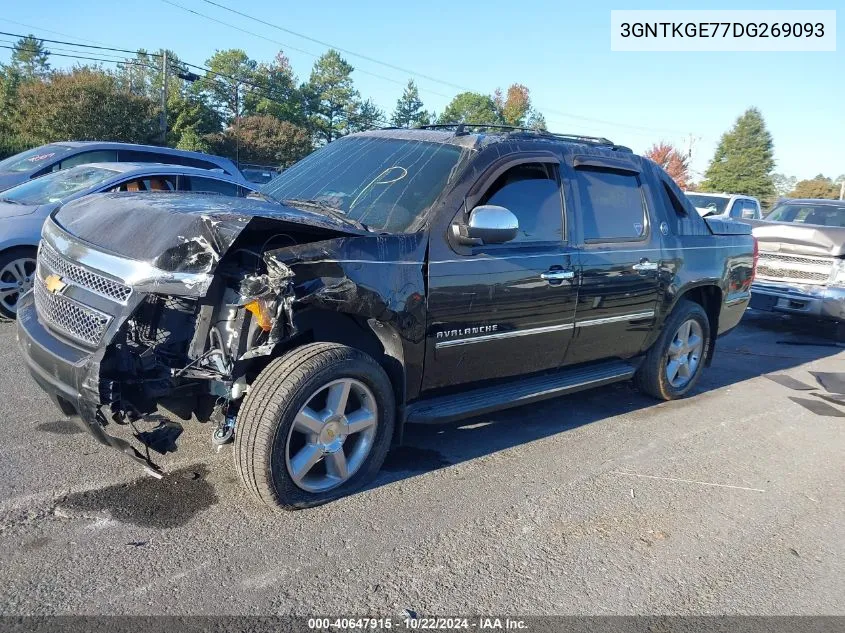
{"x":391,"y":277}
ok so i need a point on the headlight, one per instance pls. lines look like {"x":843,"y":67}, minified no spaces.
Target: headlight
{"x":837,"y":275}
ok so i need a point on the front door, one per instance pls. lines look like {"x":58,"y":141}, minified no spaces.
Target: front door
{"x":504,"y":310}
{"x":619,"y":260}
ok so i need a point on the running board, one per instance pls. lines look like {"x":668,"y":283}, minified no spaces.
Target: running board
{"x":522,"y":391}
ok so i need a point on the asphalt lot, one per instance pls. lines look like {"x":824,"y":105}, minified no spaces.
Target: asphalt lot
{"x":606,"y":502}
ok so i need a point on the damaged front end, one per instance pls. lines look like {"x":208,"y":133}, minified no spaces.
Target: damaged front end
{"x":180,"y":321}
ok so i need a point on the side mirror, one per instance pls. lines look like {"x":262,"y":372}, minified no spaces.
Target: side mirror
{"x":488,"y":224}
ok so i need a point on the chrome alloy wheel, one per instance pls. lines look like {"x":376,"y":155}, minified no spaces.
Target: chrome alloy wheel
{"x":332,"y":435}
{"x":684,"y":353}
{"x":15,"y":280}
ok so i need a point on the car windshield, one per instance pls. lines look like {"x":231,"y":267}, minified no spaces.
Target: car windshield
{"x":33,"y":159}
{"x":57,"y":186}
{"x":815,"y":214}
{"x":383,"y":183}
{"x":714,"y":204}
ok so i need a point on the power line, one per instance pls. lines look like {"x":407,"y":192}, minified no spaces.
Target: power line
{"x":103,"y":48}
{"x":39,"y":28}
{"x":96,"y":59}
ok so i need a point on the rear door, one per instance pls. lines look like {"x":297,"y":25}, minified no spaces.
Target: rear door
{"x":619,"y":249}
{"x":504,"y":310}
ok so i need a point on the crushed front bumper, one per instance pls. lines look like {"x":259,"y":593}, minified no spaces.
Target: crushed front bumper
{"x":70,"y":376}
{"x":825,"y":302}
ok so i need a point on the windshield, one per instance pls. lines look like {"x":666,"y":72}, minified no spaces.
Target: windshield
{"x":383,"y":183}
{"x":714,"y":204}
{"x":817,"y":215}
{"x":57,"y":186}
{"x":33,"y":159}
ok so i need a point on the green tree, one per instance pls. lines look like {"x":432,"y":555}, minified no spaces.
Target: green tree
{"x":83,"y":104}
{"x":232,"y":84}
{"x":10,"y":81}
{"x":409,"y":110}
{"x":744,"y":159}
{"x":265,"y":140}
{"x":471,"y":107}
{"x":365,"y":116}
{"x":30,"y":58}
{"x":818,"y":187}
{"x":280,"y":96}
{"x":192,"y":123}
{"x":783,"y":184}
{"x":330,"y":96}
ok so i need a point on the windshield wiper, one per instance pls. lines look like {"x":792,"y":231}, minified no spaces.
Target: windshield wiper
{"x":10,"y":201}
{"x":332,"y":211}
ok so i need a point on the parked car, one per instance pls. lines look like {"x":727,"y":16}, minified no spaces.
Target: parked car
{"x":802,"y":259}
{"x":402,"y":276}
{"x":24,"y":208}
{"x":259,"y":174}
{"x":46,"y":159}
{"x":725,"y":205}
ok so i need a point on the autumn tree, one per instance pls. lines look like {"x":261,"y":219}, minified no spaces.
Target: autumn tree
{"x":409,"y":110}
{"x":330,"y":97}
{"x":744,"y":159}
{"x":30,"y":58}
{"x":674,"y":162}
{"x":514,"y":106}
{"x":265,"y":140}
{"x":84,"y":104}
{"x":818,"y":187}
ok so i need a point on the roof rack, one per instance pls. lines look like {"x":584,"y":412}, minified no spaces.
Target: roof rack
{"x":513,"y":130}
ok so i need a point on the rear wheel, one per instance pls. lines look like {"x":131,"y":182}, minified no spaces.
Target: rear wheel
{"x":315,"y":425}
{"x":674,"y":363}
{"x":17,"y":270}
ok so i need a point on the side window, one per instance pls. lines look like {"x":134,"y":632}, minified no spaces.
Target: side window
{"x":195,"y":162}
{"x":532,"y":193}
{"x":149,"y":183}
{"x":101,"y":156}
{"x":138,"y":156}
{"x":612,"y":205}
{"x":673,"y":202}
{"x":210,"y":185}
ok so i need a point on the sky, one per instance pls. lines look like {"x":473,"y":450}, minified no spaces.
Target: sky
{"x":560,"y":50}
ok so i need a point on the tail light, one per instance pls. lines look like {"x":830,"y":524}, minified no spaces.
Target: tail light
{"x":756,"y":258}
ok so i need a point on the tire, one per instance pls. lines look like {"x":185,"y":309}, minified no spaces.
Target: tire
{"x":11,"y":261}
{"x":654,"y":377}
{"x":270,"y":438}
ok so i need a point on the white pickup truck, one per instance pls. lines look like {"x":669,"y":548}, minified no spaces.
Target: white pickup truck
{"x":725,"y":205}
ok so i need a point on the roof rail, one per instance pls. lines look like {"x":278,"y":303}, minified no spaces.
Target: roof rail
{"x":514,"y":130}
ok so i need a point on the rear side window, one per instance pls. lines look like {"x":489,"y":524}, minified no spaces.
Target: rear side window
{"x":83,"y":158}
{"x":612,"y":205}
{"x":532,"y":193}
{"x":211,"y":185}
{"x":195,"y":162}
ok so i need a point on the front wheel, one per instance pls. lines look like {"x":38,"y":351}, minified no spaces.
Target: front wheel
{"x":17,"y":270}
{"x":316,"y":425}
{"x":674,"y":363}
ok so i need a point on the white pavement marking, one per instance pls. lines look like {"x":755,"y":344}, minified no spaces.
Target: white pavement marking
{"x":686,"y":481}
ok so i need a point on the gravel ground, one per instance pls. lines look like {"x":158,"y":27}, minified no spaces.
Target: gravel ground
{"x":605,"y":502}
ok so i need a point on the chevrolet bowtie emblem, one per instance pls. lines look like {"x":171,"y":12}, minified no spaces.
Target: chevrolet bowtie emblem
{"x":54,"y":283}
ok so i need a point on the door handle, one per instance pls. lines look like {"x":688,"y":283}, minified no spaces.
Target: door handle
{"x":645,"y":266}
{"x":557,"y":275}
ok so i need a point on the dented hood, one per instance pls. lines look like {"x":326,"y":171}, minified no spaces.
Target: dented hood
{"x":180,"y":232}
{"x":803,"y":239}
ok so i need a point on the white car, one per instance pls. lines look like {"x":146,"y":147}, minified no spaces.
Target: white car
{"x":726,"y":205}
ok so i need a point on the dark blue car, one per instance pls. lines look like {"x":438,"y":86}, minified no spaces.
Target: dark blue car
{"x":55,"y":156}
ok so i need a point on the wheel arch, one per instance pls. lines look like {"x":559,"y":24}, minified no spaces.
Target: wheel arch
{"x":709,"y":297}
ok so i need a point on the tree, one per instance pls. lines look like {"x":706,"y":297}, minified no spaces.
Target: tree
{"x":265,"y":140}
{"x":536,"y":121}
{"x":515,"y":106}
{"x":365,"y":116}
{"x":330,"y":96}
{"x":783,"y":184}
{"x":83,"y":104}
{"x":10,"y":81}
{"x":30,"y":58}
{"x":744,"y":159}
{"x":672,"y":161}
{"x":280,"y":98}
{"x":409,"y":110}
{"x":818,"y":187}
{"x":192,"y":123}
{"x":231,"y":84}
{"x":471,"y":107}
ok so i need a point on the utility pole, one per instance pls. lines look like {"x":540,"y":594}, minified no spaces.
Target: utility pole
{"x":165,"y":70}
{"x":842,"y":190}
{"x":237,"y":130}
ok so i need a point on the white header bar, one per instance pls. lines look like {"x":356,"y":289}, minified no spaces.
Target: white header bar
{"x":723,"y":30}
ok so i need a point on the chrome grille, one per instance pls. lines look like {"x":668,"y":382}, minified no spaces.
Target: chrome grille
{"x":801,"y":269}
{"x":83,"y":277}
{"x":72,"y":318}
